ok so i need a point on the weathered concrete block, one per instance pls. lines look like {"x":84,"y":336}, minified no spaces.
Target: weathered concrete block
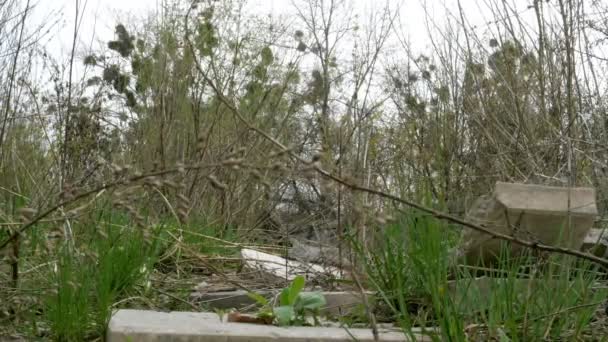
{"x":529,"y":212}
{"x":338,"y":303}
{"x":151,"y":326}
{"x":596,"y":242}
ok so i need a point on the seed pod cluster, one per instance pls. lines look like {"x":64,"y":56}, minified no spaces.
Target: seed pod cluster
{"x":215,"y":183}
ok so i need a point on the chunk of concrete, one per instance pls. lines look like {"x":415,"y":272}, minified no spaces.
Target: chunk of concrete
{"x":337,"y":303}
{"x":596,"y":242}
{"x":277,"y":267}
{"x":529,"y":212}
{"x":316,"y":252}
{"x":151,"y":326}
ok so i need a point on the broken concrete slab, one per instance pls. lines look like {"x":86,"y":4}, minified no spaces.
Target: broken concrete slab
{"x":277,"y":267}
{"x":337,"y":303}
{"x":556,"y":216}
{"x":316,"y":252}
{"x":485,"y":292}
{"x":596,"y":242}
{"x":141,"y":325}
{"x":227,"y":299}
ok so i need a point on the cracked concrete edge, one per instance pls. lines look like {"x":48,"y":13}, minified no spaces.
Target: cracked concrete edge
{"x":142,"y":325}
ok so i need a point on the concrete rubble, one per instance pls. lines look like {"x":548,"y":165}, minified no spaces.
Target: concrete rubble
{"x":151,"y":326}
{"x":529,"y":212}
{"x":596,"y":242}
{"x":338,"y":302}
{"x":271,"y":265}
{"x":316,"y":252}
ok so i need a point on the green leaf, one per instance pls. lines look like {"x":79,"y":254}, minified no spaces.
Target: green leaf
{"x":284,"y":297}
{"x":284,"y":314}
{"x":311,"y":301}
{"x":297,"y":285}
{"x":258,"y":298}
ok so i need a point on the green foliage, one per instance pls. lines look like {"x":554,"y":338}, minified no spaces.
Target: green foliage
{"x":84,"y":288}
{"x":124,"y":44}
{"x":316,"y":87}
{"x":68,"y":306}
{"x":444,"y":129}
{"x":28,"y":142}
{"x":90,"y":60}
{"x":415,"y":278}
{"x":293,"y":305}
{"x":125,"y":259}
{"x":267,"y":57}
{"x":206,"y":39}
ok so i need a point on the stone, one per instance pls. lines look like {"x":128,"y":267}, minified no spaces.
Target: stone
{"x":274,"y":266}
{"x":529,"y":212}
{"x":152,"y":326}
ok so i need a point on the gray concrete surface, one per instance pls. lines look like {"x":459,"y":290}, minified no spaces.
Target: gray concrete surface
{"x":596,"y":242}
{"x":152,"y":326}
{"x":529,"y":212}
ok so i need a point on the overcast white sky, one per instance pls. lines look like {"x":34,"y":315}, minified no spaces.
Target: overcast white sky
{"x":101,"y":15}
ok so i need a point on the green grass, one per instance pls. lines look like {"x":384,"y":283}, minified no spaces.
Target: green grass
{"x":422,"y":286}
{"x":110,"y":264}
{"x":85,"y":284}
{"x":74,"y":287}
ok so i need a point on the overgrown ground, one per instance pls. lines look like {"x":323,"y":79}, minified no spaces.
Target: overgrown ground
{"x":113,"y":265}
{"x":133,"y":170}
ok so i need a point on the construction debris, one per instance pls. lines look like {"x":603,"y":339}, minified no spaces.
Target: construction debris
{"x":555,"y":216}
{"x":278,"y":267}
{"x":596,"y":242}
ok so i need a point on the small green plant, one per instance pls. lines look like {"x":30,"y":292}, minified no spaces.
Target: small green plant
{"x":520,"y":298}
{"x":293,"y":305}
{"x":84,"y":286}
{"x":221,"y":313}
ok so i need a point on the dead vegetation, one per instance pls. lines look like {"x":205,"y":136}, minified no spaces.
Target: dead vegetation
{"x":206,"y":130}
